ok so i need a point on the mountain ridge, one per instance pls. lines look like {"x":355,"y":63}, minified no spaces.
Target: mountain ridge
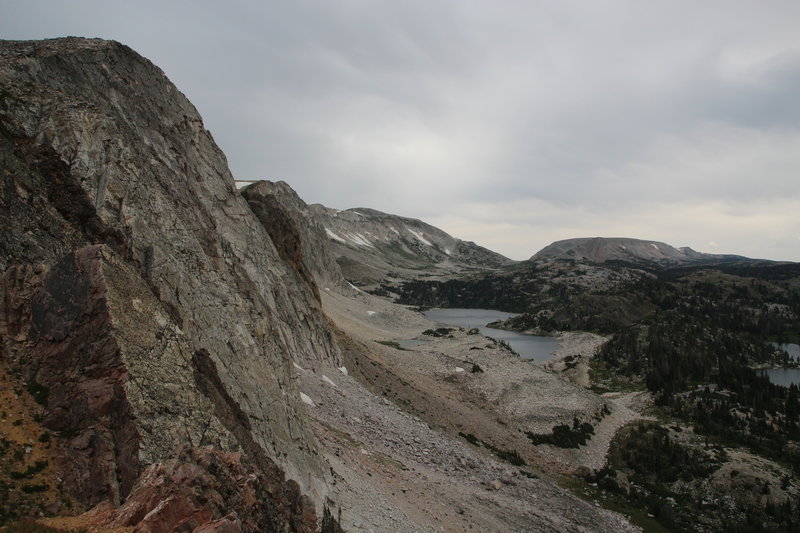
{"x":372,"y":246}
{"x":603,"y":249}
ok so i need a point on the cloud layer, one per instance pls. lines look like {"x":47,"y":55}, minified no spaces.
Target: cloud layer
{"x":512,"y":124}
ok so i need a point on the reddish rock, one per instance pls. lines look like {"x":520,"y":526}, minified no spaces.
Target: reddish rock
{"x":222,"y":525}
{"x":205,"y":490}
{"x":61,"y":338}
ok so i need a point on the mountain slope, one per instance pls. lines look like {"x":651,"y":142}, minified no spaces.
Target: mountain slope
{"x":371,"y":245}
{"x":602,"y":249}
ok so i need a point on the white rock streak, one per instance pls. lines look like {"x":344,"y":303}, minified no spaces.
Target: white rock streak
{"x":307,"y":400}
{"x":359,"y":239}
{"x":419,"y":236}
{"x":333,"y":236}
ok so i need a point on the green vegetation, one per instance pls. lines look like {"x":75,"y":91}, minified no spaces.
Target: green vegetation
{"x":511,"y":456}
{"x":653,"y":471}
{"x":439,"y":332}
{"x":564,"y":436}
{"x":392,"y":344}
{"x":653,"y":457}
{"x":690,"y":335}
{"x":30,"y":489}
{"x":589,"y":490}
{"x":29,"y":472}
{"x":29,"y":525}
{"x":701,"y":374}
{"x":39,"y":392}
{"x":469,"y":437}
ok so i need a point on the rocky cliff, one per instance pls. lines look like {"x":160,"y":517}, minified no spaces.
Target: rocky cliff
{"x":297,"y":233}
{"x":142,"y":298}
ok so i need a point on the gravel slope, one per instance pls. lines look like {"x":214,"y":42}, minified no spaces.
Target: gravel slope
{"x":396,"y":438}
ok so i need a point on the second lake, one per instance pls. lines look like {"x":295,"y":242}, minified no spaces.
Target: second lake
{"x":538,"y":348}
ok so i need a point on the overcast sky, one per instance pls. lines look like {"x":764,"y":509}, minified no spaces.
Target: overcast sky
{"x":509,"y":123}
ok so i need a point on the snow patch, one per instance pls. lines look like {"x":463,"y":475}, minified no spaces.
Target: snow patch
{"x":654,"y":246}
{"x":298,"y":367}
{"x":459,"y":369}
{"x":394,"y":230}
{"x":333,"y":236}
{"x":307,"y":400}
{"x":370,"y":313}
{"x":328,"y":380}
{"x":419,"y":236}
{"x":343,"y":370}
{"x":359,"y":239}
{"x":447,"y":251}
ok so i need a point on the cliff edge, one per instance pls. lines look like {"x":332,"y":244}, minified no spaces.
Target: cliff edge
{"x":144,"y":301}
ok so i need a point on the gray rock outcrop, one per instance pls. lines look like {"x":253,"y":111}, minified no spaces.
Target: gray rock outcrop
{"x":127,"y":250}
{"x":298,"y":235}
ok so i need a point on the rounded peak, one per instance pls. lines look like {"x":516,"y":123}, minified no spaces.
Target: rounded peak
{"x":602,"y":249}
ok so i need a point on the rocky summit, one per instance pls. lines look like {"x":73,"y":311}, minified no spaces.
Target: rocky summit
{"x":602,"y":249}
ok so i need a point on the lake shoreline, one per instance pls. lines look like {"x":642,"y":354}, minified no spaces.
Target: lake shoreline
{"x":536,"y":348}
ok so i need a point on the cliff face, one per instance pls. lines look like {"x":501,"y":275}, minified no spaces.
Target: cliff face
{"x":299,"y":237}
{"x":140,"y":290}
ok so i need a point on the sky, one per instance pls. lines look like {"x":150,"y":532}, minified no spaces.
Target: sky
{"x":512,"y":124}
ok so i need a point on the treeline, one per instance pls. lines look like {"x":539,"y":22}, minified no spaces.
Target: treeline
{"x":757,"y":299}
{"x":673,"y":351}
{"x":677,"y":353}
{"x":764,"y":421}
{"x":655,"y":472}
{"x":485,"y":293}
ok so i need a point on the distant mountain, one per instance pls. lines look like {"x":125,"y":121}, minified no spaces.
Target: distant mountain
{"x":602,"y":249}
{"x":370,"y":245}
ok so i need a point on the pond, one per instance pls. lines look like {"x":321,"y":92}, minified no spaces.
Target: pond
{"x":792,"y":349}
{"x":785,"y":376}
{"x":536,"y":347}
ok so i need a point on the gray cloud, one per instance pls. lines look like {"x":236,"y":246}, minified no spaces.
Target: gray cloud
{"x":509,"y":123}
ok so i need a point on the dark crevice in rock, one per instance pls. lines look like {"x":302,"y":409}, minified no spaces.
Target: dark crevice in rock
{"x":67,"y":195}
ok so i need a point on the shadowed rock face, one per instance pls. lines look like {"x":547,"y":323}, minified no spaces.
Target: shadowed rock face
{"x":77,"y":358}
{"x":126,"y":250}
{"x":297,"y":234}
